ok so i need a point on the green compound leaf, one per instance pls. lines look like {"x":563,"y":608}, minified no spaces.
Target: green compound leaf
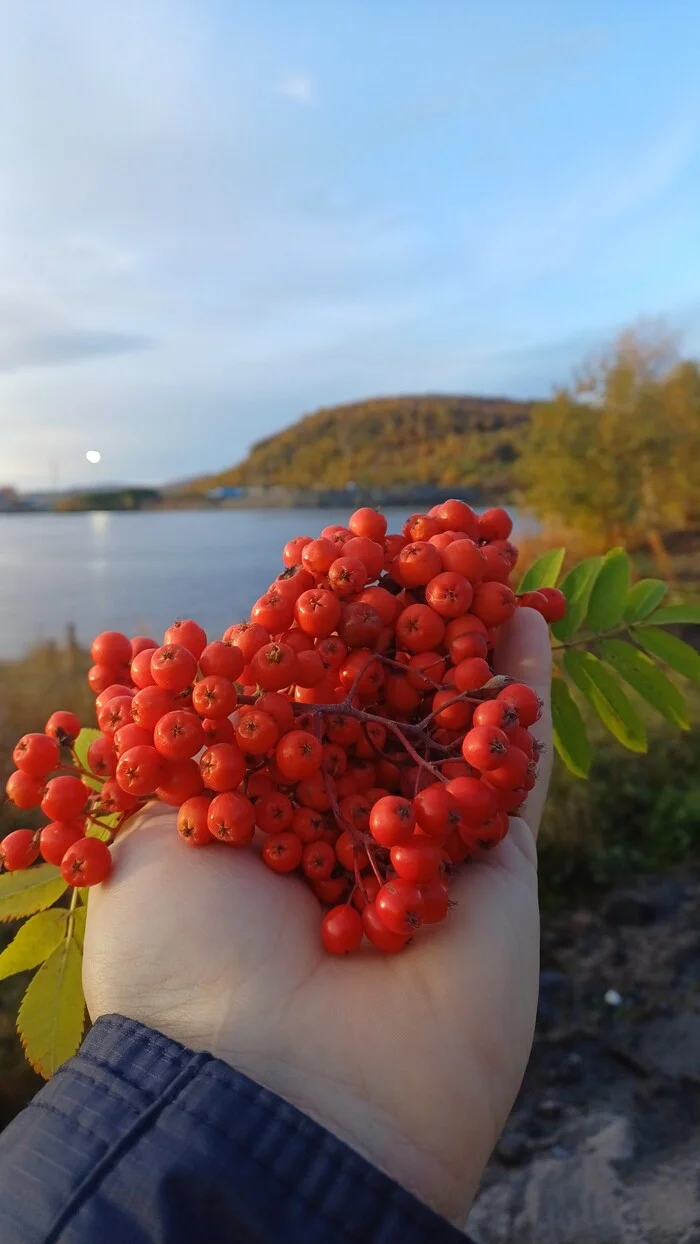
{"x":52,"y":1014}
{"x":609,"y":592}
{"x":671,"y":614}
{"x":646,"y":678}
{"x":643,"y":599}
{"x":35,"y":941}
{"x":544,"y":572}
{"x":32,"y":889}
{"x":608,"y":699}
{"x":675,"y":652}
{"x":81,"y":745}
{"x":576,"y":587}
{"x":570,"y":738}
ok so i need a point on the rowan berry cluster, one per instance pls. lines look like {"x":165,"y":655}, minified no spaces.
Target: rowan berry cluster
{"x":352,"y":729}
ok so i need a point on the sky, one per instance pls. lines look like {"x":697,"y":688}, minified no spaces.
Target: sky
{"x":216,"y":216}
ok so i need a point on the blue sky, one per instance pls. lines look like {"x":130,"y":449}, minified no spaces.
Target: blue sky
{"x":217,"y":216}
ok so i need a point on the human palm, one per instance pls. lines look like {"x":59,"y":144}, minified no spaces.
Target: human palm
{"x":413,"y":1059}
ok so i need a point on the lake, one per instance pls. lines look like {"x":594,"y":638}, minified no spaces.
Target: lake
{"x":138,"y":572}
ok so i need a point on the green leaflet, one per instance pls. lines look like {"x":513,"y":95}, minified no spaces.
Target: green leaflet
{"x":647,"y":679}
{"x":576,"y":587}
{"x":52,"y":1013}
{"x":675,"y":613}
{"x":643,"y":599}
{"x":81,"y":745}
{"x":34,"y":942}
{"x":544,"y":572}
{"x":32,"y":889}
{"x":609,"y":592}
{"x":608,"y":699}
{"x":675,"y":652}
{"x":570,"y":738}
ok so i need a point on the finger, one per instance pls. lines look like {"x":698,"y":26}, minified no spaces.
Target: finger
{"x":524,"y":653}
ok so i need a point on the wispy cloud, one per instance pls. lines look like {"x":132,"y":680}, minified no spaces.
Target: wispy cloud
{"x":298,"y":86}
{"x":35,"y":337}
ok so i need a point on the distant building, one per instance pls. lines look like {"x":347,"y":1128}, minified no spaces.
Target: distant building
{"x":9,"y":500}
{"x":224,"y":494}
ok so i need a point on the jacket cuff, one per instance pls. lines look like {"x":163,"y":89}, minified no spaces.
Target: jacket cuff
{"x":170,"y":1145}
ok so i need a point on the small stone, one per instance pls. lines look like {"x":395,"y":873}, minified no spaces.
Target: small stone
{"x":613,"y":998}
{"x":513,"y":1149}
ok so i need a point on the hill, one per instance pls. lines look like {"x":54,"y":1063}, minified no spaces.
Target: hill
{"x":390,"y":441}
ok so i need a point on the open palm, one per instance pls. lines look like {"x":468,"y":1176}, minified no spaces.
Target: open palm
{"x":412,"y":1059}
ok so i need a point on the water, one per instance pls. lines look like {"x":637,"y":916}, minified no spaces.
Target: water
{"x":138,"y":572}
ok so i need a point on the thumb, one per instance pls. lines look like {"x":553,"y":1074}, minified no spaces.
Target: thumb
{"x":523,"y":652}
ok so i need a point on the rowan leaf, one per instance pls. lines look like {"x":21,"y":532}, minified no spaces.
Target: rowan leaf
{"x":79,"y":921}
{"x":675,"y":652}
{"x":81,"y":745}
{"x":643,"y":599}
{"x":605,"y":694}
{"x":671,"y":614}
{"x":544,"y":572}
{"x":576,"y":587}
{"x":570,"y":738}
{"x":647,"y":679}
{"x":52,"y":1013}
{"x":609,"y":592}
{"x":34,"y":942}
{"x":32,"y":889}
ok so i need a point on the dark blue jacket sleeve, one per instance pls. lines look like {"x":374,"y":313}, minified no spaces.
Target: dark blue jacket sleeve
{"x":138,"y":1140}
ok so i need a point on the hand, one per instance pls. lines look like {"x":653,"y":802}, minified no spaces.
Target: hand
{"x":413,"y":1059}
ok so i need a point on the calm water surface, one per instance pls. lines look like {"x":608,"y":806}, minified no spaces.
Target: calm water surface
{"x":138,"y":572}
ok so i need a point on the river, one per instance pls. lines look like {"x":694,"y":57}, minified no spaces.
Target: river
{"x":137,"y":572}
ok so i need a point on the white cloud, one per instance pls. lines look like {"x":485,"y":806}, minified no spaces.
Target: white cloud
{"x":298,"y":86}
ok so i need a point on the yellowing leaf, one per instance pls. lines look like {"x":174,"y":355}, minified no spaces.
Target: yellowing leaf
{"x":544,"y":572}
{"x":34,"y":942}
{"x":643,"y":599}
{"x":32,"y":889}
{"x":675,"y":652}
{"x":647,"y":680}
{"x":570,"y":738}
{"x":608,"y":699}
{"x":52,"y":1014}
{"x":609,"y":593}
{"x":576,"y":587}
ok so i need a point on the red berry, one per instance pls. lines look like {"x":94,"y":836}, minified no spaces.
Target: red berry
{"x":449,"y":594}
{"x":369,"y":552}
{"x":23,"y":791}
{"x":223,"y":659}
{"x":369,"y":523}
{"x":318,"y":556}
{"x":274,"y":610}
{"x":180,"y":780}
{"x":472,"y":673}
{"x":247,"y":637}
{"x":257,"y":733}
{"x":87,"y":862}
{"x":178,"y":735}
{"x":310,"y":670}
{"x":555,"y":604}
{"x":298,"y":754}
{"x":149,"y":705}
{"x":139,"y":770}
{"x":419,"y":629}
{"x":63,"y":727}
{"x":140,"y":668}
{"x":187,"y":634}
{"x":115,"y":714}
{"x":308,"y":824}
{"x":532,"y":600}
{"x":511,"y":773}
{"x":19,"y":849}
{"x":419,"y":859}
{"x":282,"y":852}
{"x":359,"y":625}
{"x":36,"y":755}
{"x":291,"y":554}
{"x":456,"y":515}
{"x":192,"y":821}
{"x":173,"y":667}
{"x":465,"y":558}
{"x":317,"y":612}
{"x":127,"y":736}
{"x":436,"y":901}
{"x":470,"y":644}
{"x":451,"y":711}
{"x":495,"y":524}
{"x":56,"y":837}
{"x":111,"y":649}
{"x":392,"y":820}
{"x":524,"y":701}
{"x":476,"y":801}
{"x":101,"y":676}
{"x":436,"y":810}
{"x":274,"y":666}
{"x":341,"y":930}
{"x":417,"y":564}
{"x":494,"y":603}
{"x":274,"y":812}
{"x":222,"y":766}
{"x":400,"y":906}
{"x":375,"y":930}
{"x":112,"y":798}
{"x":484,"y":747}
{"x":231,"y":818}
{"x":64,"y":798}
{"x":214,"y":695}
{"x":139,"y":643}
{"x":495,"y":713}
{"x":318,"y":860}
